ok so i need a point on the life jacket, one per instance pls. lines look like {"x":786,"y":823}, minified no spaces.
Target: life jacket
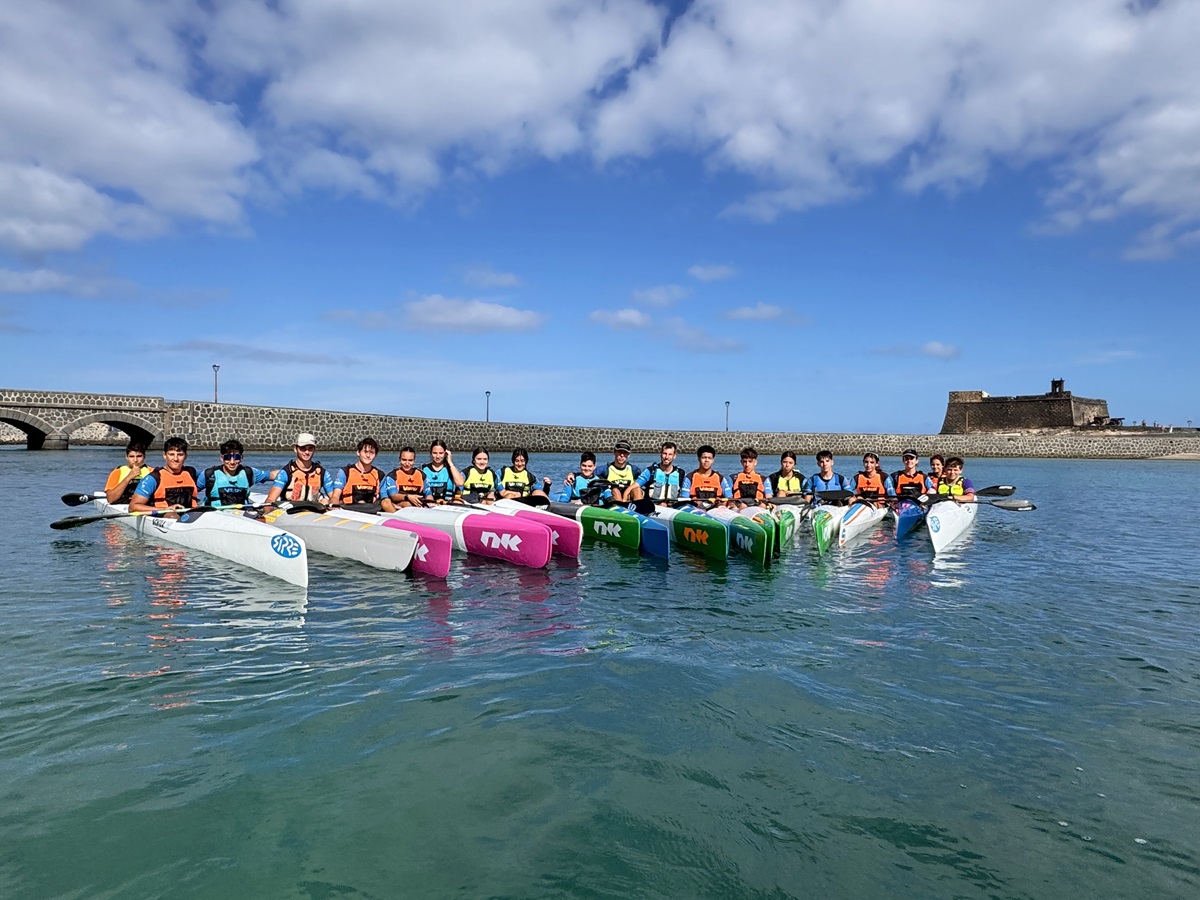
{"x":412,"y":483}
{"x":909,"y":485}
{"x":173,"y":490}
{"x":659,"y":486}
{"x":793,"y":484}
{"x":478,"y":483}
{"x":748,"y":487}
{"x":512,"y":480}
{"x":118,"y":474}
{"x":439,"y":481}
{"x":955,"y":489}
{"x":836,"y":483}
{"x":223,"y":489}
{"x":622,"y":477}
{"x":303,"y":485}
{"x":706,"y":487}
{"x":870,"y":486}
{"x":361,"y":487}
{"x":934,"y":480}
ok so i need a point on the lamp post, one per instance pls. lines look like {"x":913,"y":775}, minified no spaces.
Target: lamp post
{"x":487,"y":406}
{"x":216,"y":368}
{"x":726,"y":415}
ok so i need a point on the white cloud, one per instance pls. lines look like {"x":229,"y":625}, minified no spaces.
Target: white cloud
{"x":661,"y":296}
{"x":220,"y":349}
{"x":696,"y":339}
{"x":437,"y":313}
{"x":487,"y":277}
{"x":712,"y":273}
{"x":932,"y":349}
{"x":759,"y":312}
{"x":47,"y":281}
{"x":621,"y":318}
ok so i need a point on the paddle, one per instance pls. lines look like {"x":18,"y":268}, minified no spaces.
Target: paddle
{"x":185,"y":515}
{"x":80,"y":499}
{"x":1014,"y":504}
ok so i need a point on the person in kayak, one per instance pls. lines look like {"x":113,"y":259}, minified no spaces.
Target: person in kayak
{"x":517,"y":481}
{"x":621,"y":474}
{"x":359,"y":482}
{"x":952,"y":485}
{"x":936,"y":465}
{"x":303,"y":478}
{"x":706,"y":483}
{"x":404,"y":487}
{"x":583,"y":486}
{"x":442,"y":478}
{"x":123,"y":480}
{"x":871,"y":485}
{"x":479,"y":481}
{"x":663,"y":481}
{"x":748,"y":487}
{"x":826,"y":479}
{"x":229,"y":483}
{"x":787,"y":482}
{"x":911,"y":481}
{"x":171,"y":486}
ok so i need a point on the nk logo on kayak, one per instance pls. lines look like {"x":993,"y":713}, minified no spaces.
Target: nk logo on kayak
{"x":745,"y":542}
{"x":612,"y":529}
{"x":501,"y":541}
{"x":695,"y":536}
{"x":286,"y":546}
{"x":421,"y":552}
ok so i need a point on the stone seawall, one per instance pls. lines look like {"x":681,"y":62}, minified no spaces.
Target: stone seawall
{"x":205,"y":425}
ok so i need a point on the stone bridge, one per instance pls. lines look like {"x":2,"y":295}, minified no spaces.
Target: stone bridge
{"x":49,"y":418}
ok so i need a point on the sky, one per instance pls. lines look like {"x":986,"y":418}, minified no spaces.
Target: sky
{"x":828,"y":213}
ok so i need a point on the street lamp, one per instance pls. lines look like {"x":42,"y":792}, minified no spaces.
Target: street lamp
{"x":216,"y":368}
{"x":726,"y":415}
{"x":487,"y":408}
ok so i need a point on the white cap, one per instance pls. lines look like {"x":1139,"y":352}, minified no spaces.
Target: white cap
{"x":304,"y":439}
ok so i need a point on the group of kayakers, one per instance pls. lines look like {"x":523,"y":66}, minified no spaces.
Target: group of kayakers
{"x":438,"y":481}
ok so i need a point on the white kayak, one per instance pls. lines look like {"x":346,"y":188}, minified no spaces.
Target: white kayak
{"x":366,"y":542}
{"x":948,"y":521}
{"x":229,"y":535}
{"x":520,"y":541}
{"x":858,"y":519}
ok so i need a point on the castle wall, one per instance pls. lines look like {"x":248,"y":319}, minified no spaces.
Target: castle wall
{"x":970,"y":411}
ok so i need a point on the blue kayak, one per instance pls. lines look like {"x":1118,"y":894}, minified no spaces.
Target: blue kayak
{"x":656,"y":536}
{"x":908,"y":515}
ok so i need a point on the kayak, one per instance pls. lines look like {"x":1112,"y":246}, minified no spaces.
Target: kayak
{"x":365,"y":542}
{"x":518,"y":541}
{"x":434,"y":548}
{"x":746,"y":535}
{"x":229,"y":535}
{"x":697,"y":533}
{"x":948,"y":521}
{"x":826,"y":523}
{"x":859,"y":518}
{"x":783,"y":521}
{"x":907,"y":515}
{"x":607,"y":524}
{"x":566,"y":536}
{"x":655,"y":538}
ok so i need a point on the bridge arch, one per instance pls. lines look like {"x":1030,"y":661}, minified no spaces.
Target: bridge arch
{"x":136,"y":427}
{"x":38,"y":432}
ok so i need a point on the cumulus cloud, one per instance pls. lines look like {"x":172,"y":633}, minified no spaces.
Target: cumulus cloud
{"x":661,"y":296}
{"x":487,"y":277}
{"x":437,"y":313}
{"x":621,"y":318}
{"x":932,"y":349}
{"x":759,"y":312}
{"x":712,"y":273}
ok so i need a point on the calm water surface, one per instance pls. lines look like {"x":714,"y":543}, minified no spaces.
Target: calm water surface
{"x":1019,"y":719}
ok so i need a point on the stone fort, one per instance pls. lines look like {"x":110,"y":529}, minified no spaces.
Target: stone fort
{"x":975,"y":411}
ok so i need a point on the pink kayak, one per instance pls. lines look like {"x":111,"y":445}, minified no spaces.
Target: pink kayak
{"x":434,"y":548}
{"x":566,"y":534}
{"x":520,"y":541}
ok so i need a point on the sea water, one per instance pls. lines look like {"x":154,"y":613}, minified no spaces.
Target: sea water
{"x":1019,"y":717}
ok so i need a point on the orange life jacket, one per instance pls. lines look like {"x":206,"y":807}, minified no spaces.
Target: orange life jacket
{"x":903,"y":479}
{"x":706,"y":487}
{"x":303,"y":485}
{"x":870,"y":486}
{"x":412,"y":483}
{"x":361,"y":487}
{"x":174,"y":490}
{"x":748,"y":487}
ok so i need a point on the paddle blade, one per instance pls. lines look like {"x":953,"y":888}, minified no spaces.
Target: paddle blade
{"x":1015,"y":505}
{"x":298,"y":506}
{"x":644,"y":506}
{"x":80,"y":499}
{"x":536,"y":502}
{"x":834,"y":496}
{"x":790,"y":500}
{"x":996,"y":490}
{"x":76,"y":521}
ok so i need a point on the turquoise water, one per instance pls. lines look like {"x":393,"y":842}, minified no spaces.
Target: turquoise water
{"x":1018,"y":719}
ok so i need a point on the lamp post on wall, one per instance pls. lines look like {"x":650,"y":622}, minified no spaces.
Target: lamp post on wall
{"x":726,"y":415}
{"x":216,"y":369}
{"x":487,"y":406}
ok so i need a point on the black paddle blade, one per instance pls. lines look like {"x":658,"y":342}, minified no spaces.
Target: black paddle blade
{"x":78,"y":499}
{"x":536,"y":502}
{"x":996,"y":490}
{"x":305,"y":506}
{"x":644,"y":506}
{"x":76,"y":521}
{"x":834,"y":496}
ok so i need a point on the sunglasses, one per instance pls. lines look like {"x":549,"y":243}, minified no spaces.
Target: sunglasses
{"x":229,"y":456}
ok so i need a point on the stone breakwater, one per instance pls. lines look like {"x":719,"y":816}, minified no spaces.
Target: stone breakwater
{"x":205,"y":425}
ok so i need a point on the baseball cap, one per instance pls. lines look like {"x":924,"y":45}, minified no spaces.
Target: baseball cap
{"x":623,"y":445}
{"x":913,"y":453}
{"x":304,"y":439}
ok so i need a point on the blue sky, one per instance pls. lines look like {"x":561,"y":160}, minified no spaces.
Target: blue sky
{"x":827,"y":213}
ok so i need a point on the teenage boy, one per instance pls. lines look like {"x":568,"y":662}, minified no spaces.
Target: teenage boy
{"x":748,"y":487}
{"x":229,"y":483}
{"x":123,"y":480}
{"x":787,"y":482}
{"x":576,"y":485}
{"x":871,"y":485}
{"x":663,"y":481}
{"x":359,"y":482}
{"x":706,"y":483}
{"x":303,"y":478}
{"x":170,"y":486}
{"x":405,"y":486}
{"x":826,"y":479}
{"x":911,"y":481}
{"x":953,"y":485}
